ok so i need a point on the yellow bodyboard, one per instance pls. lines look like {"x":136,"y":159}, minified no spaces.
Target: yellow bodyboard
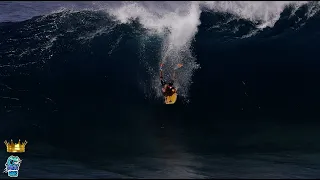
{"x":171,"y":99}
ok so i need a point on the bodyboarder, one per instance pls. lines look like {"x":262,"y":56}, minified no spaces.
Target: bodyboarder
{"x":167,"y":87}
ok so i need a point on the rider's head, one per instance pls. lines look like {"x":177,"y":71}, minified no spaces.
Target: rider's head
{"x":169,"y":86}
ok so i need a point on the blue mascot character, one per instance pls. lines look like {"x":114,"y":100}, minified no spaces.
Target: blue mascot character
{"x":12,"y":166}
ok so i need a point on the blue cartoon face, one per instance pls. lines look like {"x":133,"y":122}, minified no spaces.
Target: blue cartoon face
{"x":13,"y":163}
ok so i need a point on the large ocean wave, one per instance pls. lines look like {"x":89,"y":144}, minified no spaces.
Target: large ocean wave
{"x":103,"y":61}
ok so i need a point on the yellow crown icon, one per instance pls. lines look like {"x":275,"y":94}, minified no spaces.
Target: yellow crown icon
{"x":16,"y":147}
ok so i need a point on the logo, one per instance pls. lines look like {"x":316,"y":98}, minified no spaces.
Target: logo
{"x":12,"y":166}
{"x":16,"y":147}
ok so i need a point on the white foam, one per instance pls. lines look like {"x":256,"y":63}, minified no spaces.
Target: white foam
{"x":182,"y":20}
{"x":267,"y":12}
{"x":181,"y":17}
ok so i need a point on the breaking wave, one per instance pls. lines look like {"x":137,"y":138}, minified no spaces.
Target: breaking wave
{"x":105,"y":58}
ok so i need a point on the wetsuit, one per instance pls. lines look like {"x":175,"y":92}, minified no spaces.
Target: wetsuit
{"x":170,"y":90}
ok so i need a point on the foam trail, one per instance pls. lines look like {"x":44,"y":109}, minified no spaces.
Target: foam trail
{"x":177,"y":27}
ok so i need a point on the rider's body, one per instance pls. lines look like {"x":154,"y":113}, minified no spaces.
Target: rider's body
{"x":167,"y":87}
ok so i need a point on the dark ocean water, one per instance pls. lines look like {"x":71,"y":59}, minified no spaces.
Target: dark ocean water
{"x":79,"y":87}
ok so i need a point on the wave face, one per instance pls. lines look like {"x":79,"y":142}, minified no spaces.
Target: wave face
{"x":97,"y":67}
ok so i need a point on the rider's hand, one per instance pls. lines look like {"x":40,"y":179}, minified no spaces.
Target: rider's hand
{"x":161,"y":66}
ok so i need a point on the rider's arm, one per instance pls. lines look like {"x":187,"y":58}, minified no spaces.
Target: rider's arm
{"x":161,"y":71}
{"x":161,"y":76}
